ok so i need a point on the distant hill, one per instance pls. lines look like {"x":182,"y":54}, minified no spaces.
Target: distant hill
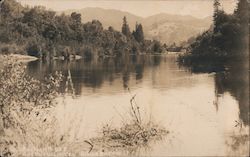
{"x":164,"y":27}
{"x":174,"y":28}
{"x":108,"y":17}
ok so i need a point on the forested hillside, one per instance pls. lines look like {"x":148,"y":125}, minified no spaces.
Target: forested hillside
{"x":40,"y":32}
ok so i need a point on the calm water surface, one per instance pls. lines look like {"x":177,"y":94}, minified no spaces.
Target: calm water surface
{"x":205,"y":113}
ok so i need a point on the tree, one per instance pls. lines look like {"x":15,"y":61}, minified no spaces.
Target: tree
{"x":138,"y":33}
{"x":242,"y":14}
{"x":125,"y":27}
{"x":216,"y":13}
{"x":10,"y":8}
{"x":242,"y":10}
{"x":111,"y":29}
{"x":50,"y":32}
{"x":76,"y":17}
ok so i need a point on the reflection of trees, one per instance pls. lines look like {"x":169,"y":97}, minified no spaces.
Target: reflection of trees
{"x":93,"y":73}
{"x":236,"y":81}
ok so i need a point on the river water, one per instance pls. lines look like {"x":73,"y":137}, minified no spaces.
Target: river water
{"x":206,"y":114}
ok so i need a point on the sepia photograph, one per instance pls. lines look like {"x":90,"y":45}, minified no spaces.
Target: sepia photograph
{"x":160,"y":78}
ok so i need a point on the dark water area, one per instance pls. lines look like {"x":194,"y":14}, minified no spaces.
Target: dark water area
{"x":201,"y":109}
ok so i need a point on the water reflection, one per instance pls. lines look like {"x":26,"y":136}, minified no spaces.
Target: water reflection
{"x":236,"y":82}
{"x":232,"y":77}
{"x":93,"y":73}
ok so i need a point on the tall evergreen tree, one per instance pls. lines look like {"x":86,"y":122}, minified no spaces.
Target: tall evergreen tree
{"x":125,"y":27}
{"x":216,"y":13}
{"x":242,"y":10}
{"x":242,"y":14}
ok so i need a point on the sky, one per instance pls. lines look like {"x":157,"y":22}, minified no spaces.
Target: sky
{"x":143,"y":8}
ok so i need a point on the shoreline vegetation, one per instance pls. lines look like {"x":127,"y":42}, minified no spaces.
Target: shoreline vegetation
{"x":44,"y":34}
{"x":224,"y":44}
{"x":25,"y":105}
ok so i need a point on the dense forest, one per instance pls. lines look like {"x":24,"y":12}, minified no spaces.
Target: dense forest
{"x":226,"y":40}
{"x":43,"y":33}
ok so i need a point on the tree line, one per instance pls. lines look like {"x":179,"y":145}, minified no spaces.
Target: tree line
{"x":39,"y":32}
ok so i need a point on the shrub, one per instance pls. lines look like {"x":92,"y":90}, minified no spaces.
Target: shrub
{"x":24,"y":105}
{"x":18,"y":89}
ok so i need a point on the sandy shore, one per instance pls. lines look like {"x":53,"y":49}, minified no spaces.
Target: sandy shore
{"x":23,"y":58}
{"x":5,"y":59}
{"x":18,"y":57}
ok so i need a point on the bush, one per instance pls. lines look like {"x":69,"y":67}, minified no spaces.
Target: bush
{"x":24,"y":105}
{"x":17,"y":89}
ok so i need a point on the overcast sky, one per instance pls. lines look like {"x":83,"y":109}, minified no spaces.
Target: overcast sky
{"x":144,"y":8}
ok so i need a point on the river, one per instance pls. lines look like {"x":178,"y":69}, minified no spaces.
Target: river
{"x":206,"y":114}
